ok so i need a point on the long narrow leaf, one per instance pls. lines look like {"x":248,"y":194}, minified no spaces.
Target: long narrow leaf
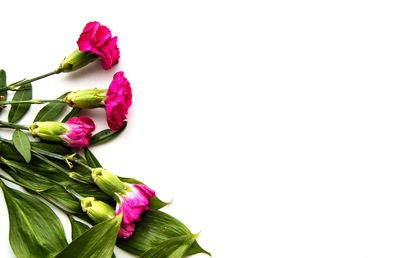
{"x":35,"y":231}
{"x":51,"y":110}
{"x":175,"y":247}
{"x":3,"y":84}
{"x":105,"y":135}
{"x":99,"y":241}
{"x":17,"y":111}
{"x":72,"y":113}
{"x":154,"y":228}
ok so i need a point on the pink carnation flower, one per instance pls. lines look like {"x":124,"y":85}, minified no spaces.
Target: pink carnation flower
{"x":132,"y":205}
{"x":79,"y":131}
{"x":97,"y":39}
{"x":118,"y":101}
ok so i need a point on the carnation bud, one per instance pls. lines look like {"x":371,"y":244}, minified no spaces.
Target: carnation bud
{"x":76,"y":60}
{"x":109,"y":183}
{"x":98,"y":211}
{"x":49,"y":131}
{"x":75,"y":133}
{"x":89,"y":98}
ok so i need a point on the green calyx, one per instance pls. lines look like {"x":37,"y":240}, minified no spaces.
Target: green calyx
{"x":76,"y":60}
{"x":97,"y":211}
{"x":89,"y":98}
{"x":49,"y":131}
{"x":109,"y":183}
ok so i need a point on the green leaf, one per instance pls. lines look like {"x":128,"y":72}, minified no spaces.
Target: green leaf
{"x":3,"y":84}
{"x":154,"y":228}
{"x":91,"y":159}
{"x":22,"y":144}
{"x":155,"y":203}
{"x":105,"y":135}
{"x":35,"y":231}
{"x":51,"y":110}
{"x":72,"y":113}
{"x":78,"y":228}
{"x":99,"y":241}
{"x":175,"y":247}
{"x":17,"y":111}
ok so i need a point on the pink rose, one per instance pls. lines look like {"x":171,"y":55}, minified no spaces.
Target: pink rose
{"x":97,"y":39}
{"x":79,"y":131}
{"x":132,"y":205}
{"x":118,"y":101}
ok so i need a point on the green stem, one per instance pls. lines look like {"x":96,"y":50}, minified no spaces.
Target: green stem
{"x":11,"y":125}
{"x":73,"y":193}
{"x":30,"y":101}
{"x":14,"y":85}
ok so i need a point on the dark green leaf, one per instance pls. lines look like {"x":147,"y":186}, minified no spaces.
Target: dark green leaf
{"x":3,"y":84}
{"x":154,"y":228}
{"x":72,"y":113}
{"x":17,"y":111}
{"x":172,"y":248}
{"x":22,"y":144}
{"x":78,"y":228}
{"x":155,"y":203}
{"x":91,"y":159}
{"x":97,"y":242}
{"x":195,"y":248}
{"x":105,"y":135}
{"x":51,"y":110}
{"x":35,"y":231}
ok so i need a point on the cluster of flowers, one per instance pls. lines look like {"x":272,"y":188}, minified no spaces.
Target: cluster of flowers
{"x":95,"y":42}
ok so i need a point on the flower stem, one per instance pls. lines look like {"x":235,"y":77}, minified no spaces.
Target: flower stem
{"x":11,"y":125}
{"x":14,"y":85}
{"x":30,"y":101}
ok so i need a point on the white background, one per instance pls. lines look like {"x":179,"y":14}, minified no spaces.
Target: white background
{"x":273,"y":125}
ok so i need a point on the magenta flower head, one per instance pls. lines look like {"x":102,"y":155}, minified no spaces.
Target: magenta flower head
{"x":116,"y":100}
{"x":132,"y":199}
{"x":75,"y":133}
{"x":95,"y":41}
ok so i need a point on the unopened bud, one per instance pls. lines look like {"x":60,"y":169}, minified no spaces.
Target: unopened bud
{"x":76,"y":60}
{"x":49,"y":131}
{"x":89,"y":98}
{"x":109,"y":183}
{"x":98,"y":211}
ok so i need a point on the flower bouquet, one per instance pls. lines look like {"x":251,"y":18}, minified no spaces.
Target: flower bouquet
{"x":58,"y":169}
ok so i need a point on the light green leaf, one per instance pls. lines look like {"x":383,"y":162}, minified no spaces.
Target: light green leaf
{"x":99,"y":241}
{"x":105,"y":135}
{"x":72,"y":113}
{"x":175,"y":247}
{"x":154,"y":228}
{"x":91,"y":159}
{"x":51,"y":110}
{"x":17,"y":111}
{"x":35,"y":231}
{"x":22,"y":144}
